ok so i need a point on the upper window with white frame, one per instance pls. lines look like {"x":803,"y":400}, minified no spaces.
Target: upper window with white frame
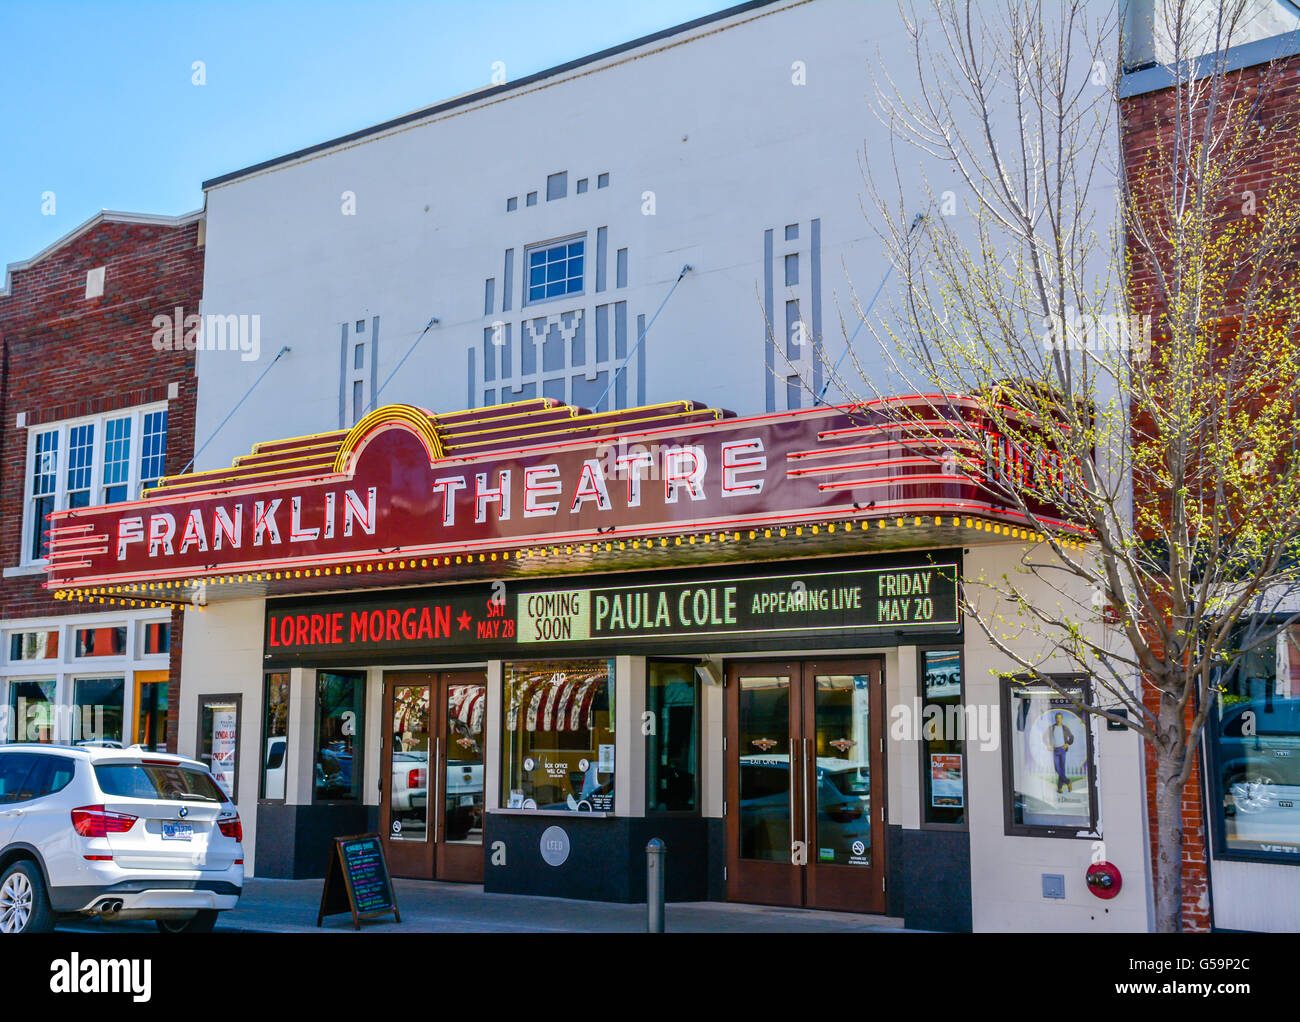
{"x":556,"y":269}
{"x":104,"y":459}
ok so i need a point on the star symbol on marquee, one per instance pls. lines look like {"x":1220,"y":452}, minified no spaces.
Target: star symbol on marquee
{"x":464,"y":620}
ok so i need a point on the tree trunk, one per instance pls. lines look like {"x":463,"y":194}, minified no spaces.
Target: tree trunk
{"x":1169,"y":836}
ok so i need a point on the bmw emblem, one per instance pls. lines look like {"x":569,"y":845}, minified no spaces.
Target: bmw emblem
{"x":183,"y":812}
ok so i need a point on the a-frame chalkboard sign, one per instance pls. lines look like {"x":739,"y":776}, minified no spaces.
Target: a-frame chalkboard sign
{"x":357,"y":881}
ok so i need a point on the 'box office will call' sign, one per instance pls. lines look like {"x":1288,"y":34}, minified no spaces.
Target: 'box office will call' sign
{"x":905,"y":598}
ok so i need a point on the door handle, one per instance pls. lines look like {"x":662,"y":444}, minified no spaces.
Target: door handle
{"x":793,"y":832}
{"x":438,"y":768}
{"x":807,"y":809}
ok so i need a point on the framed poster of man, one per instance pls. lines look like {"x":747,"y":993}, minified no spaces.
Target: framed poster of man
{"x":1048,"y":759}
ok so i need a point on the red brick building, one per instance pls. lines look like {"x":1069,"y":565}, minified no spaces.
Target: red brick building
{"x":91,"y":411}
{"x":1241,"y":847}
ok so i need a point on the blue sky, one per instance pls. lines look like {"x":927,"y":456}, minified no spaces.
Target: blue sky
{"x":101,"y":110}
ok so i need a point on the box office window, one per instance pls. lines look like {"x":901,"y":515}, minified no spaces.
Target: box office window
{"x":1254,"y":743}
{"x":943,"y":734}
{"x":275,"y":735}
{"x":672,"y":702}
{"x":218,"y":742}
{"x":340,"y":728}
{"x":1048,"y":759}
{"x":97,"y":705}
{"x":31,"y":711}
{"x":557,"y":742}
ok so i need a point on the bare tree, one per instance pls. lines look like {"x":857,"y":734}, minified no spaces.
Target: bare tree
{"x":1129,"y":330}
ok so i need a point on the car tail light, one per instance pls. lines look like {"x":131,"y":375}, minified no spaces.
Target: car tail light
{"x":415,"y":779}
{"x":231,"y":827}
{"x":96,"y":821}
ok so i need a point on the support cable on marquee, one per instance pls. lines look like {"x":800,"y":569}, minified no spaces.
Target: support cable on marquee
{"x":231,"y":413}
{"x":617,"y":372}
{"x":835,"y":369}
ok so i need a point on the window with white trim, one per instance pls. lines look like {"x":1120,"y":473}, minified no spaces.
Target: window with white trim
{"x":555,"y":270}
{"x":44,"y":486}
{"x":81,"y":462}
{"x":117,"y":461}
{"x":154,"y":446}
{"x":100,"y":464}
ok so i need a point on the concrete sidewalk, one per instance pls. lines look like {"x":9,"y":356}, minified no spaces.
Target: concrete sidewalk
{"x":290,"y":906}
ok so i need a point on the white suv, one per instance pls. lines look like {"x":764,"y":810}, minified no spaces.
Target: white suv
{"x":115,"y":833}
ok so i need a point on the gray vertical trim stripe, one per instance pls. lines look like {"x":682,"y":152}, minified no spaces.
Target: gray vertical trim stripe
{"x":602,"y":251}
{"x":620,"y":353}
{"x":374,"y":362}
{"x":343,"y":376}
{"x":602,"y":333}
{"x":469,"y":400}
{"x":488,"y":367}
{"x":640,"y":360}
{"x":769,"y":343}
{"x":508,"y":279}
{"x":815,"y":280}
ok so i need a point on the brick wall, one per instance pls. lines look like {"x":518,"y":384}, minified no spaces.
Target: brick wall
{"x":63,"y":355}
{"x":1146,"y":124}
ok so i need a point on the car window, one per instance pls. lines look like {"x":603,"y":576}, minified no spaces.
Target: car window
{"x":14,"y":768}
{"x":157,"y":780}
{"x":49,"y":775}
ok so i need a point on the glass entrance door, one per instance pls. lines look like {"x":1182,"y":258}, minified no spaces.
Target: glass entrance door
{"x":431,"y":807}
{"x":463,"y":706}
{"x":804,"y":817}
{"x":404,"y":805}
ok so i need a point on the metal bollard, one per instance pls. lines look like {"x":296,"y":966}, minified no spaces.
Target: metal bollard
{"x":655,"y":853}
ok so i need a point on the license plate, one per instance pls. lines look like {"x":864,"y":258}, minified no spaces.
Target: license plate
{"x":177,"y":831}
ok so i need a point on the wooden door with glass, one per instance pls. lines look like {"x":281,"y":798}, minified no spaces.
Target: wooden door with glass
{"x":805,"y":788}
{"x":431,"y":806}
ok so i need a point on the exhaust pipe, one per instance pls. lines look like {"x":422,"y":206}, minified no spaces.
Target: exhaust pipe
{"x":109,"y":907}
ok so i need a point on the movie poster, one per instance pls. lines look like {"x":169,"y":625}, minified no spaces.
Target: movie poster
{"x":1049,"y":756}
{"x":946,"y":780}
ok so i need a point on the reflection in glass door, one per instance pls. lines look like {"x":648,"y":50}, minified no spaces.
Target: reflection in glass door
{"x":460,"y":848}
{"x":804,"y":764}
{"x":766,"y":803}
{"x":431,"y":811}
{"x":410,"y":763}
{"x":843,"y":760}
{"x":762,"y":793}
{"x":405,"y":804}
